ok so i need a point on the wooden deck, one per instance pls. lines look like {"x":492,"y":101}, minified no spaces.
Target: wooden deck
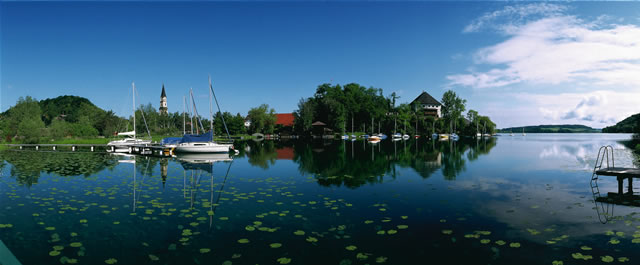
{"x":619,"y":172}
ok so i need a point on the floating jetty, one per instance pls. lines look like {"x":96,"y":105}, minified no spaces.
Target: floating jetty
{"x":149,"y":150}
{"x":6,"y":257}
{"x":609,"y":169}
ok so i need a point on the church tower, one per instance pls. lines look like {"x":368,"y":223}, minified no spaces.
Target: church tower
{"x":163,"y":102}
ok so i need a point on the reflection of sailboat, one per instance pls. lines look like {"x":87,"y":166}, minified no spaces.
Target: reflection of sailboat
{"x":523,"y":134}
{"x":195,"y":158}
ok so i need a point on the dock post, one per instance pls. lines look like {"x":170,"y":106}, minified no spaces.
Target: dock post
{"x":91,"y":148}
{"x":37,"y":147}
{"x":73,"y":148}
{"x":54,"y":148}
{"x":113,"y":148}
{"x":630,"y":186}
{"x":620,"y":185}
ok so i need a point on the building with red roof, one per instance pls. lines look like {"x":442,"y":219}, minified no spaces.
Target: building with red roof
{"x":284,"y":119}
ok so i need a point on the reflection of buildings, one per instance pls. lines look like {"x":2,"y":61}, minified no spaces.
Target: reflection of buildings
{"x":285,"y":153}
{"x":164,"y":167}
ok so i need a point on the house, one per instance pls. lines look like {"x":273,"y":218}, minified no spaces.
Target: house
{"x":284,"y":119}
{"x":428,"y":105}
{"x":284,"y":123}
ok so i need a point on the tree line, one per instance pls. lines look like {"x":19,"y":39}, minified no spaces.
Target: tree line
{"x":355,"y":108}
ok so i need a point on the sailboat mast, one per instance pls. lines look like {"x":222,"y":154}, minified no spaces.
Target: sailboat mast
{"x":133,"y":88}
{"x":191,"y":112}
{"x":184,"y":117}
{"x":372,"y":128}
{"x":210,"y":112}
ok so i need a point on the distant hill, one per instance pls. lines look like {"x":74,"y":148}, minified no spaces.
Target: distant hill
{"x":565,"y":128}
{"x":70,"y":108}
{"x":628,"y":125}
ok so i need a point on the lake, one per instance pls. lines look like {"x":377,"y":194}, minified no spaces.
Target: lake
{"x":506,"y":200}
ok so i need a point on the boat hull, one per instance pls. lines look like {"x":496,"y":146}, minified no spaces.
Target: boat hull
{"x":203,"y":148}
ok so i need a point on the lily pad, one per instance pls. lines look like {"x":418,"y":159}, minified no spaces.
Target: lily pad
{"x":515,"y":245}
{"x":284,"y":260}
{"x":299,"y":233}
{"x":205,"y":250}
{"x":111,"y":261}
{"x":403,"y":226}
{"x":75,"y":244}
{"x":243,"y":241}
{"x":351,"y":248}
{"x":607,"y":259}
{"x":54,"y":253}
{"x":275,"y":245}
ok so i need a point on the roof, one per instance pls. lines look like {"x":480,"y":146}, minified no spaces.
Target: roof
{"x":163,"y":95}
{"x":318,"y":123}
{"x":425,"y":98}
{"x":284,"y":119}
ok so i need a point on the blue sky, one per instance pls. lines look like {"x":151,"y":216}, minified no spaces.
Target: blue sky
{"x":520,"y":63}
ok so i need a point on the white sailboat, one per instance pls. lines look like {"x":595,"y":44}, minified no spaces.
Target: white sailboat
{"x":523,"y":134}
{"x":204,"y":143}
{"x":125,"y":144}
{"x":405,"y":136}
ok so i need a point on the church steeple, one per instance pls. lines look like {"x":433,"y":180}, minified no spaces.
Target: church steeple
{"x":163,"y":102}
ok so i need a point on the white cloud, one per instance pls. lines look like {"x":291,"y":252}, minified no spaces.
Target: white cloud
{"x":597,"y":109}
{"x":514,"y":14}
{"x":554,"y":49}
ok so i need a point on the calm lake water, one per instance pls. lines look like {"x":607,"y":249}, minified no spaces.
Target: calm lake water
{"x":507,"y":200}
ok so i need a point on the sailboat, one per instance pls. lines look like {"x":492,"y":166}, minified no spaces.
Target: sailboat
{"x":405,"y":136}
{"x":125,"y":144}
{"x":204,"y":143}
{"x":511,"y":133}
{"x":454,"y":136}
{"x":523,"y":134}
{"x":396,"y":136}
{"x":416,"y":133}
{"x":374,"y":138}
{"x":478,"y":134}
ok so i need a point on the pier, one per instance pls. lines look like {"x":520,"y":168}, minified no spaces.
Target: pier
{"x":605,"y":166}
{"x":149,"y":150}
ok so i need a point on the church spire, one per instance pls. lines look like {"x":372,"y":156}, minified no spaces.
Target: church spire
{"x":163,"y":102}
{"x":163,"y":95}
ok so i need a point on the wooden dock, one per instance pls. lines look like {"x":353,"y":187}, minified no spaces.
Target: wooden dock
{"x":150,"y":150}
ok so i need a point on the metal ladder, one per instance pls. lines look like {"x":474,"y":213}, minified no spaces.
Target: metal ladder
{"x":604,"y":153}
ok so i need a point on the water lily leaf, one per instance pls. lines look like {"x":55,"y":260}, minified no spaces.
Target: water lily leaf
{"x":447,"y":232}
{"x":284,"y":260}
{"x":391,"y":231}
{"x":111,"y":261}
{"x":312,"y":239}
{"x":153,"y":257}
{"x":623,"y":259}
{"x":205,"y":250}
{"x":515,"y":245}
{"x":585,"y":248}
{"x":485,"y":241}
{"x":58,"y":248}
{"x":607,"y":259}
{"x":403,"y":226}
{"x":404,"y":217}
{"x":381,"y":259}
{"x":50,"y":228}
{"x":500,"y":242}
{"x":614,"y":241}
{"x":362,"y":256}
{"x":351,"y":248}
{"x":54,"y":253}
{"x":75,"y":244}
{"x":557,"y":262}
{"x":275,"y":245}
{"x":243,"y":241}
{"x":299,"y":233}
{"x":368,"y":222}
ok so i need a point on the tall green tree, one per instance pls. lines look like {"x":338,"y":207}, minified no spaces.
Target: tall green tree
{"x":263,"y":119}
{"x":453,"y":107}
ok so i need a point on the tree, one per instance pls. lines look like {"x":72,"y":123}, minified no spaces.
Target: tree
{"x":453,"y":107}
{"x":262,"y":119}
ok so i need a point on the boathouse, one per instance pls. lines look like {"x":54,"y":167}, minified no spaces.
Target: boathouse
{"x":284,"y":123}
{"x":428,"y":105}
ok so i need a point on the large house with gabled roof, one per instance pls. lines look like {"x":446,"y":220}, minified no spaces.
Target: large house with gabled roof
{"x":427,"y":104}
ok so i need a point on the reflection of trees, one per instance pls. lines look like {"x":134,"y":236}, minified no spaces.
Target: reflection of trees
{"x":27,"y":165}
{"x":262,"y":154}
{"x":354,"y":164}
{"x":332,"y":164}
